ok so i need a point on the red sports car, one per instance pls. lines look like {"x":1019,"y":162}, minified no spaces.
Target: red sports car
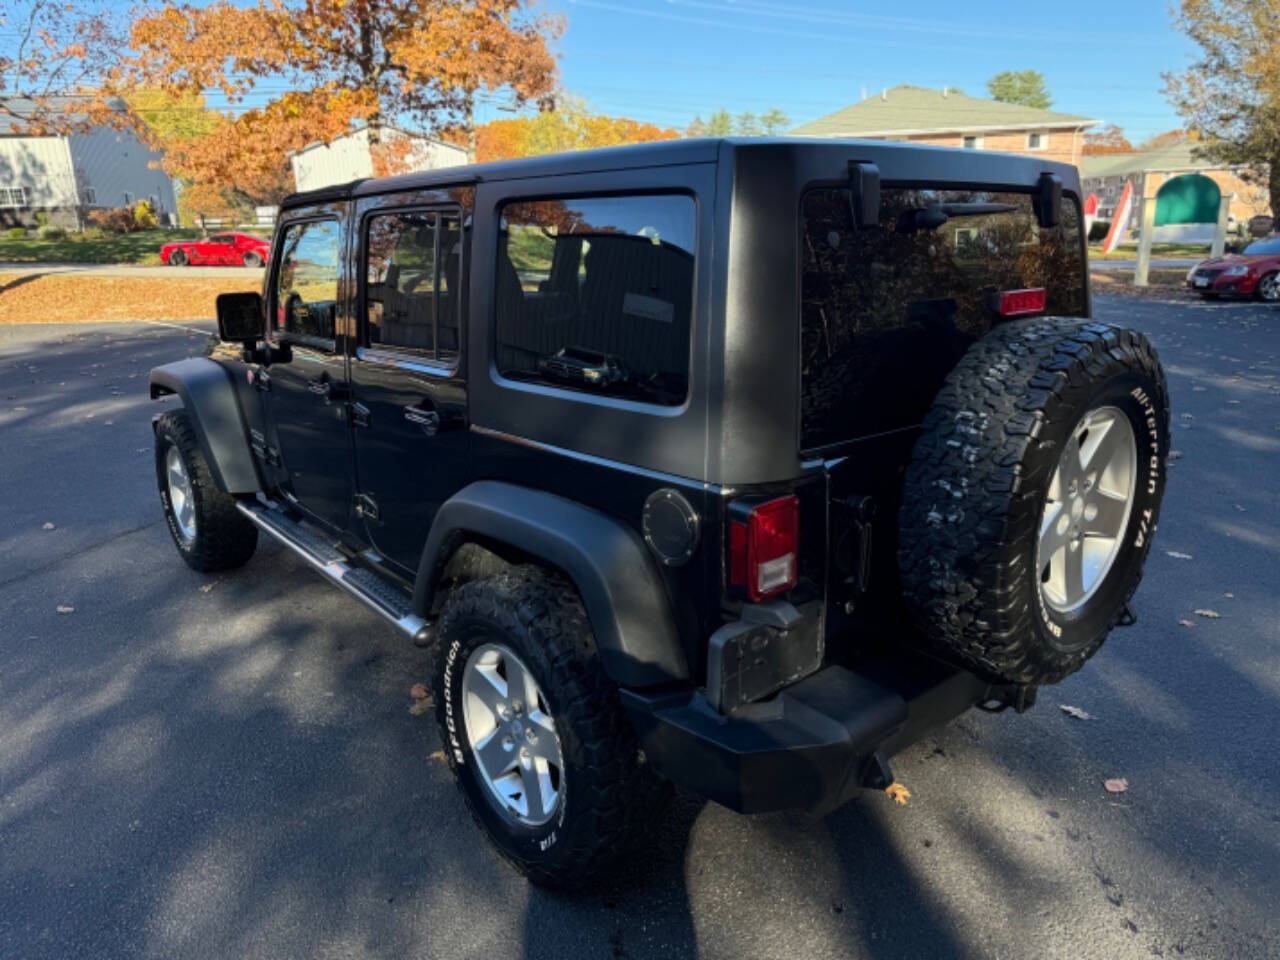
{"x":1253,"y":273}
{"x":221,"y":249}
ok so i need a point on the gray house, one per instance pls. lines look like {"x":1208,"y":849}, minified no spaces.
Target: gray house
{"x":67,"y":176}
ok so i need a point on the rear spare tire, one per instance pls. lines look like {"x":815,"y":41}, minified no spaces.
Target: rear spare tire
{"x":1032,"y":495}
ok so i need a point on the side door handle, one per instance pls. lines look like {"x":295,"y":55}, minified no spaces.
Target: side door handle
{"x":428,"y":420}
{"x":327,"y":390}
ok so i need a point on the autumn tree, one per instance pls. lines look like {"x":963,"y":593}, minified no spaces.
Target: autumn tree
{"x":52,"y":50}
{"x":1230,"y":95}
{"x":1024,"y":87}
{"x":419,"y":63}
{"x":1166,"y":138}
{"x":571,"y":126}
{"x":1107,"y":139}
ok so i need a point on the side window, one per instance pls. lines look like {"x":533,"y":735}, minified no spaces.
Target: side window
{"x":596,"y":294}
{"x":413,"y":282}
{"x":307,"y":279}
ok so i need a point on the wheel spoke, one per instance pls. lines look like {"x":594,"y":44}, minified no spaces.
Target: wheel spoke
{"x":1105,"y":515}
{"x":1073,"y":574}
{"x":1070,"y":467}
{"x":520,"y":685}
{"x":495,"y":757}
{"x":1102,"y":446}
{"x":533,"y":785}
{"x":1051,"y":540}
{"x":492,"y":692}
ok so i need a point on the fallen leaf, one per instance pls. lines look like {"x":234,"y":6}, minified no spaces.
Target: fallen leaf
{"x":419,"y":707}
{"x":1228,"y":594}
{"x":48,"y":526}
{"x":1209,"y":614}
{"x":1177,"y":555}
{"x":1233,"y":402}
{"x":206,"y":588}
{"x":419,"y":691}
{"x":1240,"y":508}
{"x":1185,"y":623}
{"x":1116,"y":785}
{"x":898,"y":793}
{"x":64,"y":608}
{"x":1187,"y":416}
{"x":1175,"y":454}
{"x":1076,"y":712}
{"x":435,"y":755}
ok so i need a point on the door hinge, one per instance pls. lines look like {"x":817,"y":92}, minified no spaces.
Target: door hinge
{"x":366,"y":507}
{"x":358,"y":414}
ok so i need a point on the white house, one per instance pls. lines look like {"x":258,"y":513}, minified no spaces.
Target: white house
{"x":348,"y":157}
{"x":65,"y":176}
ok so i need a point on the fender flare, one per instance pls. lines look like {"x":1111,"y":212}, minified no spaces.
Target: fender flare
{"x":211,"y":403}
{"x":619,"y":582}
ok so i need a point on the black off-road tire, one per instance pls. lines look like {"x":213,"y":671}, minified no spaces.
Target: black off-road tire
{"x":976,"y":486}
{"x":224,"y":538}
{"x":609,"y":795}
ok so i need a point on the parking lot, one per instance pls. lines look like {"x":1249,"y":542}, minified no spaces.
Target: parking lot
{"x":227,"y":766}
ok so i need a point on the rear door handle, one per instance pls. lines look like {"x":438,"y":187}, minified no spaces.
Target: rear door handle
{"x":429,"y":420}
{"x":327,"y":389}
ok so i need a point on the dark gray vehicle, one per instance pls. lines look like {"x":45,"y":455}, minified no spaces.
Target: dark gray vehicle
{"x":738,"y":464}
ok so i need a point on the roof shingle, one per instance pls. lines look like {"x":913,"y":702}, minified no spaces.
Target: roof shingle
{"x":908,"y":109}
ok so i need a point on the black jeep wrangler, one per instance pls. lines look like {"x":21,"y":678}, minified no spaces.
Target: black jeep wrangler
{"x":734,"y":463}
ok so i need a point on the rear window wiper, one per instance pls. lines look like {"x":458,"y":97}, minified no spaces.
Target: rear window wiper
{"x":935,"y":215}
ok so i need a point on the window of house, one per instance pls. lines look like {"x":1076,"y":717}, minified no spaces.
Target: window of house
{"x":413,"y":282}
{"x":13,"y":196}
{"x":972,"y":143}
{"x":596,"y":294}
{"x":307,"y":279}
{"x":1036,"y":141}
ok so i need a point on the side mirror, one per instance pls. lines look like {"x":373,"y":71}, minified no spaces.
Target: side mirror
{"x":240,"y":317}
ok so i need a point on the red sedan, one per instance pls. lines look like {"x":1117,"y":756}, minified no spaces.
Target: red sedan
{"x":1253,"y":273}
{"x":221,"y":249}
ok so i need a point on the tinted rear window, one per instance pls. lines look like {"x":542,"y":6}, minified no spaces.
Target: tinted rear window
{"x":887,"y":311}
{"x":596,"y":294}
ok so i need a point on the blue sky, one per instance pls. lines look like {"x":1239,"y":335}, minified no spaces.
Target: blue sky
{"x":666,"y":60}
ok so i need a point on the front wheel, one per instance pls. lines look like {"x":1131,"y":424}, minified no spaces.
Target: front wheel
{"x":533,"y":728}
{"x":1269,"y":288}
{"x":208,"y":530}
{"x":178,"y":258}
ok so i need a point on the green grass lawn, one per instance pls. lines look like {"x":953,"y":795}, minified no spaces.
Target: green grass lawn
{"x":1130,"y":251}
{"x":141,"y":247}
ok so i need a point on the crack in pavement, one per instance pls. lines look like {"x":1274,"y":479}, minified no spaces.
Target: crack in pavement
{"x":77,"y":553}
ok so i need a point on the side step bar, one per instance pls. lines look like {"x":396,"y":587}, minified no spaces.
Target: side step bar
{"x":373,"y":591}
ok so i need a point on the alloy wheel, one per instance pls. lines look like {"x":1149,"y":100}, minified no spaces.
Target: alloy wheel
{"x":181,"y":501}
{"x":1087,"y":508}
{"x":512,"y":735}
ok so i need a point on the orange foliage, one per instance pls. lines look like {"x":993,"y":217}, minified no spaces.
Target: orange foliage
{"x":346,"y":60}
{"x":1109,"y":139}
{"x":570,"y":128}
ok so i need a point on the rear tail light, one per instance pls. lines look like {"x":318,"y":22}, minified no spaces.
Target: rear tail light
{"x":1017,"y":303}
{"x":764,"y":547}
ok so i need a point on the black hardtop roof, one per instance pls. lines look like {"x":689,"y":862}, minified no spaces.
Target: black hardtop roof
{"x":670,"y":153}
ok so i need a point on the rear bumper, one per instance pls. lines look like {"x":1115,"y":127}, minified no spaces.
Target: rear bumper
{"x":811,"y":746}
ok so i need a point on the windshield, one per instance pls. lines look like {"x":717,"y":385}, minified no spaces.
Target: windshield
{"x":887,"y":310}
{"x":1268,"y":247}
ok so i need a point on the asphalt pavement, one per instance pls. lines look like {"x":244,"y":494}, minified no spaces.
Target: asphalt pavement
{"x":227,"y":766}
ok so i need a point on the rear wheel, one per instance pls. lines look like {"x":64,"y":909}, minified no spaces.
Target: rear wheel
{"x":1032,"y":496}
{"x":178,"y":258}
{"x":208,"y":530}
{"x":252,"y":259}
{"x":534,"y":730}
